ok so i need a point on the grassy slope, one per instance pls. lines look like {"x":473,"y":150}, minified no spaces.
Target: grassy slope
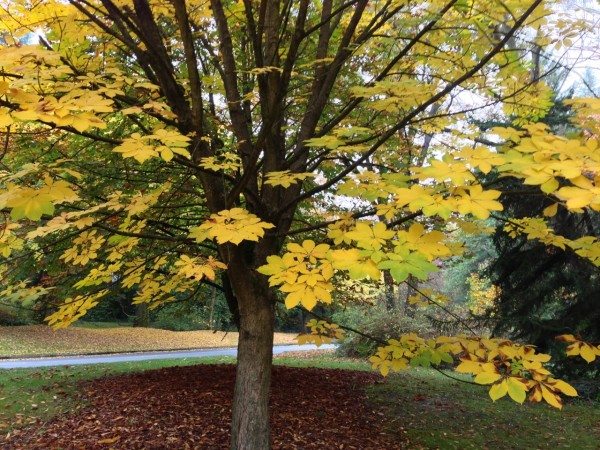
{"x":438,"y":412}
{"x":433,"y":411}
{"x":39,"y":340}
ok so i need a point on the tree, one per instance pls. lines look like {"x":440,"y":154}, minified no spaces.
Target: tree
{"x":154,"y":144}
{"x":544,"y":292}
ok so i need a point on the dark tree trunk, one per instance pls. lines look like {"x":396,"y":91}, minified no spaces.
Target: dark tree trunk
{"x":250,"y":422}
{"x":142,"y":315}
{"x":390,"y":301}
{"x":409,"y":308}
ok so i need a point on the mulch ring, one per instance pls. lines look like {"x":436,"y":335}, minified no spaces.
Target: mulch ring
{"x":190,"y":408}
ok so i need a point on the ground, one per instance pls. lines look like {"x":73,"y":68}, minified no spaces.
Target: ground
{"x":189,"y":407}
{"x":318,"y":401}
{"x":40,"y":340}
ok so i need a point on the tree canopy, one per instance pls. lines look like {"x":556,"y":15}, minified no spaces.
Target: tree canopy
{"x":275,"y":148}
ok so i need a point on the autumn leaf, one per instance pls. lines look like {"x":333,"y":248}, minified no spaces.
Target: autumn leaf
{"x":233,"y":225}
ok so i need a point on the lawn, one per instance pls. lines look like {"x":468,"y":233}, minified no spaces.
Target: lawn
{"x":438,"y":412}
{"x":420,"y":406}
{"x":39,"y":340}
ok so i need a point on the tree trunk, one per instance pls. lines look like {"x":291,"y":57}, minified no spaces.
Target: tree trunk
{"x":408,"y":307}
{"x":211,"y":316}
{"x":390,"y":303}
{"x":142,"y":315}
{"x":250,"y":422}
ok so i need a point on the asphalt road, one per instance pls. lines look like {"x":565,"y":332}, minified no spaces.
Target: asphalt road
{"x":27,"y":363}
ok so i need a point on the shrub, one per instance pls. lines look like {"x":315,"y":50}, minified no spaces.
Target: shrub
{"x":379,"y":323}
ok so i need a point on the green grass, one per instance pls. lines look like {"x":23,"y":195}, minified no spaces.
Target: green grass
{"x":434,"y":411}
{"x":431,"y":410}
{"x":326,"y":361}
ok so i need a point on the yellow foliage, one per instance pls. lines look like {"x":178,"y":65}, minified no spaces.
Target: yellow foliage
{"x":231,"y":225}
{"x":576,"y":347}
{"x":163,"y":143}
{"x":74,"y":308}
{"x":85,"y":248}
{"x":285,"y":178}
{"x":510,"y":368}
{"x":322,"y":332}
{"x":304,"y":274}
{"x":482,"y":295}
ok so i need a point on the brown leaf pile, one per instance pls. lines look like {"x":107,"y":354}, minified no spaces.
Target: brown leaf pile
{"x":190,"y":408}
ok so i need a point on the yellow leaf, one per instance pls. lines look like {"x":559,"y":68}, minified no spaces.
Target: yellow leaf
{"x":564,"y":387}
{"x":551,"y":398}
{"x":516,"y":389}
{"x":232,"y":225}
{"x":468,"y":366}
{"x":587,"y":352}
{"x":29,"y":203}
{"x":498,"y":390}
{"x":551,"y":210}
{"x":487,"y":377}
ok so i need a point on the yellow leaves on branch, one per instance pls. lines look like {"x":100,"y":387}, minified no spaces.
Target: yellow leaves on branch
{"x":577,"y":347}
{"x":31,"y":203}
{"x":75,"y":109}
{"x":36,"y":95}
{"x":9,"y":241}
{"x":509,"y":368}
{"x":164,"y":143}
{"x":478,"y":202}
{"x":286,"y":178}
{"x":395,"y":96}
{"x":446,"y":170}
{"x":404,"y":253}
{"x":467,"y":199}
{"x":196,"y":269}
{"x":569,"y":168}
{"x":227,"y":161}
{"x":231,"y":225}
{"x":303,"y":274}
{"x":358,"y":264}
{"x":23,"y":295}
{"x":370,"y":237}
{"x":408,"y":350}
{"x":371,"y":186}
{"x":74,"y":308}
{"x":536,"y":228}
{"x":322,"y":332}
{"x":85,"y":248}
{"x":583,"y":193}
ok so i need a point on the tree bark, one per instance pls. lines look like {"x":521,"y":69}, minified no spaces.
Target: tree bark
{"x":250,"y":421}
{"x":390,"y":301}
{"x":142,"y":315}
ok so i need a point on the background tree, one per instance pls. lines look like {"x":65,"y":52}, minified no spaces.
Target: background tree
{"x":188,"y":139}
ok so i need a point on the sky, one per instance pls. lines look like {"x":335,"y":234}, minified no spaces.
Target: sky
{"x":584,"y":55}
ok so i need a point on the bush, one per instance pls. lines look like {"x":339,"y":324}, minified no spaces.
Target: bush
{"x":380,"y":323}
{"x":10,"y":317}
{"x":193,"y":315}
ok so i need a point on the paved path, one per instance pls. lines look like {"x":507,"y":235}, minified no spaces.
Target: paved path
{"x":141,"y":356}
